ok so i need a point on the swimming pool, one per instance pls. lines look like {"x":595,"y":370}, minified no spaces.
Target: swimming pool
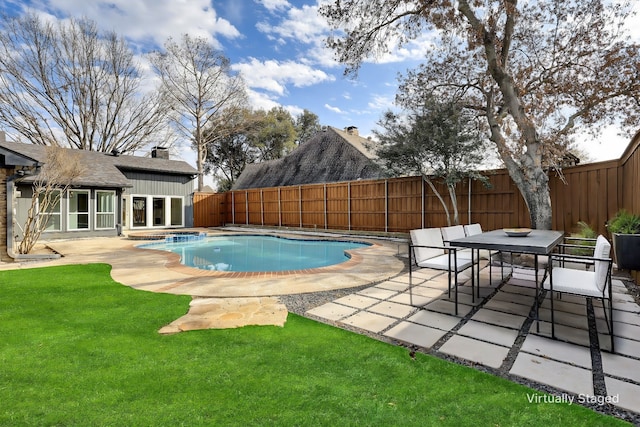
{"x":257,"y":253}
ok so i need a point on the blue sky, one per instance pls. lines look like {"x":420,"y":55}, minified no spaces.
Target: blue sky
{"x":278,"y":47}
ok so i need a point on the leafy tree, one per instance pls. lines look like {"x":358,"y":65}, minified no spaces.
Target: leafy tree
{"x":534,"y":71}
{"x":201,"y":91}
{"x":273,"y":133}
{"x":307,"y":124}
{"x":438,"y":141}
{"x":228,"y":156}
{"x":68,"y":85}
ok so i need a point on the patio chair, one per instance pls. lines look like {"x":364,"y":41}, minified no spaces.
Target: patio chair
{"x":472,"y":230}
{"x":594,"y":283}
{"x":427,"y":250}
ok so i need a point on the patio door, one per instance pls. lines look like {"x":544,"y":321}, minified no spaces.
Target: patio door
{"x":139,"y":211}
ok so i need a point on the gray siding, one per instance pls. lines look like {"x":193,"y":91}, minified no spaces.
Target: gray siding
{"x":23,"y":203}
{"x":157,"y":184}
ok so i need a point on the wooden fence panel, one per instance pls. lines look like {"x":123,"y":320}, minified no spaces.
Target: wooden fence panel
{"x":368,"y":205}
{"x":338,"y":209}
{"x":290,"y":205}
{"x":209,"y":209}
{"x":271,"y":207}
{"x":313,"y":206}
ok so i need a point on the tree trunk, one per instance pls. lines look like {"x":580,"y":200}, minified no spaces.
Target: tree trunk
{"x":533,"y":183}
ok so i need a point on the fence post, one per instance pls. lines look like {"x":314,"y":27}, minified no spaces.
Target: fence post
{"x":261,"y":208}
{"x":326,"y":218}
{"x":422,"y":204}
{"x":246,"y":207}
{"x":386,"y":205}
{"x":233,"y":207}
{"x":300,"y":203}
{"x":349,"y":203}
{"x":279,"y":208}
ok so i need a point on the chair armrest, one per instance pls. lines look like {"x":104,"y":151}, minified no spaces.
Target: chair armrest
{"x":432,"y":247}
{"x":576,"y":258}
{"x":580,"y":239}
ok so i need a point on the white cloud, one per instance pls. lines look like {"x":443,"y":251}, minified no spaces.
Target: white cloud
{"x":301,"y":24}
{"x":381,"y":102}
{"x":274,"y":5}
{"x":273,"y":75}
{"x":334,"y":109}
{"x":151,"y":20}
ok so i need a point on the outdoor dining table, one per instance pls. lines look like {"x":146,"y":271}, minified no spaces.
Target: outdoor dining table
{"x":537,"y":242}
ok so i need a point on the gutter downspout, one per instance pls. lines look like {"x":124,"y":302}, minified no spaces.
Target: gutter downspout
{"x":33,"y":257}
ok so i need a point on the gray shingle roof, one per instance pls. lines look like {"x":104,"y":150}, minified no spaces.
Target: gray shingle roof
{"x":329,"y":156}
{"x":105,"y":170}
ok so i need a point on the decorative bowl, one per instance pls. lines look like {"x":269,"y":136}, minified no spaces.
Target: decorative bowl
{"x":517,"y":232}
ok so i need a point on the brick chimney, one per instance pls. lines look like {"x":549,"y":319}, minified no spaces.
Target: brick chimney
{"x":160,"y":152}
{"x":351,"y":130}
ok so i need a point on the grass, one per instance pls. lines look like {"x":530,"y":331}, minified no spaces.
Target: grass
{"x":77,"y":348}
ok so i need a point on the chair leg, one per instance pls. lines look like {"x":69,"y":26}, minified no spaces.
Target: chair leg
{"x":553,"y":324}
{"x":609,"y":320}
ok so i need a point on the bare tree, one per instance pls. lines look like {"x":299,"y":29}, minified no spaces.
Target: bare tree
{"x":201,"y":90}
{"x":61,"y":168}
{"x":535,"y":72}
{"x":67,"y":85}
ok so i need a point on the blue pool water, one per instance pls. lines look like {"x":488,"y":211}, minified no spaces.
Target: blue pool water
{"x":257,"y":253}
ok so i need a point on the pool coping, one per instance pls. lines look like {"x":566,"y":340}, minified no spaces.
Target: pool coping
{"x":160,"y":271}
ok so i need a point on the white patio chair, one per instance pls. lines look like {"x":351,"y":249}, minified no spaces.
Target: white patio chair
{"x":590,"y":284}
{"x":427,"y":250}
{"x":472,"y":230}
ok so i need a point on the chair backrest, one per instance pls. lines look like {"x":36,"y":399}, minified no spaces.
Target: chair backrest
{"x":427,"y":237}
{"x":472,"y":229}
{"x":453,"y":232}
{"x":602,"y":250}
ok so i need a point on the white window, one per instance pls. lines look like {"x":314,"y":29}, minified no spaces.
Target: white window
{"x":49,"y":211}
{"x":78,"y":212}
{"x":105,"y":209}
{"x":156,"y":211}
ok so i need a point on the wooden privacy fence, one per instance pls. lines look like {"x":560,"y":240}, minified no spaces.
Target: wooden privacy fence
{"x":592,"y":193}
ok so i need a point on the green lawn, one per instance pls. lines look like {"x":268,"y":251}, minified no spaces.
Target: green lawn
{"x":77,"y":348}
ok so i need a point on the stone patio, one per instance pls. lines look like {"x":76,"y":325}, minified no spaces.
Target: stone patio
{"x":498,"y":333}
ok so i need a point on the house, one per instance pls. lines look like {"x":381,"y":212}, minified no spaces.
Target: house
{"x":331,"y":155}
{"x":113,"y":192}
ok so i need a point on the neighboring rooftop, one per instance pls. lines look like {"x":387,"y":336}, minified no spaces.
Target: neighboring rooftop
{"x":331,"y":155}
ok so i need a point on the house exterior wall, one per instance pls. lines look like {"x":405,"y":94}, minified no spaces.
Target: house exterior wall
{"x":151,"y":186}
{"x":23,"y":203}
{"x":4,"y":173}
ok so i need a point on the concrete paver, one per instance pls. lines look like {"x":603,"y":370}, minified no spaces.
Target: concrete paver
{"x":475,"y":351}
{"x":436,"y":320}
{"x":491,"y":333}
{"x":557,"y":374}
{"x":333,"y":311}
{"x":498,"y":318}
{"x":369,"y":321}
{"x":621,"y":366}
{"x":623,"y":394}
{"x":411,"y":333}
{"x":392,"y":309}
{"x":557,"y":350}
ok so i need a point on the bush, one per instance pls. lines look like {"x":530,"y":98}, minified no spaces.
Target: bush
{"x":624,"y":222}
